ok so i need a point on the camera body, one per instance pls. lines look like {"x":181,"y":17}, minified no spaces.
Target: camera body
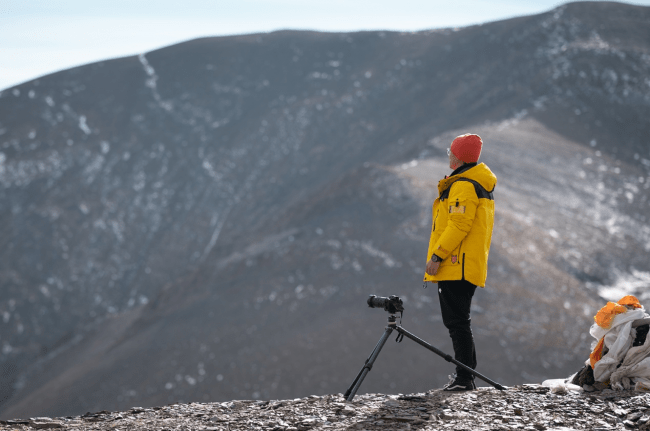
{"x":393,"y":304}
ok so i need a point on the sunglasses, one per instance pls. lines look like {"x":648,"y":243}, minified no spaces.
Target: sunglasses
{"x":448,"y":151}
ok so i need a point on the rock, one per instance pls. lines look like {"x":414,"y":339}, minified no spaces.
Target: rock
{"x":620,"y":412}
{"x":411,"y":398}
{"x":634,"y":416}
{"x":217,"y":419}
{"x":401,"y":418}
{"x":45,"y":424}
{"x":16,"y":422}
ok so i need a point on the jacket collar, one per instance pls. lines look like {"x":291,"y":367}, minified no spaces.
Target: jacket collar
{"x":448,"y":180}
{"x":460,"y":170}
{"x":477,"y":172}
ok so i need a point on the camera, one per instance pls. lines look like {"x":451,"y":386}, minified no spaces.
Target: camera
{"x":392,"y":304}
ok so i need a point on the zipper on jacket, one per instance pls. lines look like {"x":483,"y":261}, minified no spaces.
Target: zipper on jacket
{"x":463,"y":271}
{"x":460,"y":248}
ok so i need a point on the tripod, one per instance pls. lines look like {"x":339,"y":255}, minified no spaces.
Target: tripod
{"x":393,"y":326}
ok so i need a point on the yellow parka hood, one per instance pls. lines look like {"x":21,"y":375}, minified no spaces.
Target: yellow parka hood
{"x":479,"y":173}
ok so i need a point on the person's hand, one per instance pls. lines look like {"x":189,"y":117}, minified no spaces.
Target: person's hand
{"x":432,"y":267}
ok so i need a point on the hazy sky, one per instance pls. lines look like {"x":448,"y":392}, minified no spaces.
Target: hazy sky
{"x":43,"y":36}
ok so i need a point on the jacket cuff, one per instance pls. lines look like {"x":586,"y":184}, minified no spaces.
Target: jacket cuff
{"x":441,"y":252}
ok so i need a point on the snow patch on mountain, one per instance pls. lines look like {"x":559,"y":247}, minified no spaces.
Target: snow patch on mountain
{"x":152,"y":83}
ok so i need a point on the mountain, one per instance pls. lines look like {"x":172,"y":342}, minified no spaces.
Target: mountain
{"x":205,"y":221}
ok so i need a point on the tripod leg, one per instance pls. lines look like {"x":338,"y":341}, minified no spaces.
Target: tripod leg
{"x":354,"y":387}
{"x":447,"y":357}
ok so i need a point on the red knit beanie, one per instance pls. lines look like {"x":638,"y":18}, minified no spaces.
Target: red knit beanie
{"x":467,"y":148}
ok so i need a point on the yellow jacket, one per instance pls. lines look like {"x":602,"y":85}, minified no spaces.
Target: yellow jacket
{"x":463,"y":218}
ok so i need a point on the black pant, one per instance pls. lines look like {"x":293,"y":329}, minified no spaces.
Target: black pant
{"x":455,"y":302}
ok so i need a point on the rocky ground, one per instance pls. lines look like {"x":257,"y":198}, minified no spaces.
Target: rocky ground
{"x":526,"y":407}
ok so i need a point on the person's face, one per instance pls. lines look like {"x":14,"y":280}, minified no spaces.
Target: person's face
{"x":454,"y":162}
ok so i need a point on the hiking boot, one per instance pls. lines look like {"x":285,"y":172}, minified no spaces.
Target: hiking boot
{"x":458,"y":384}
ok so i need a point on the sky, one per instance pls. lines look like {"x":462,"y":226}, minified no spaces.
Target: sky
{"x":38,"y":37}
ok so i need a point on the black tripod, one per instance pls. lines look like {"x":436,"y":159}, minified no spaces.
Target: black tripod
{"x":392,"y":325}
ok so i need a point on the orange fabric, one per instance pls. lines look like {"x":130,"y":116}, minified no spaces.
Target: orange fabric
{"x":604,"y":319}
{"x":630,"y":301}
{"x":597,"y":354}
{"x":606,"y":315}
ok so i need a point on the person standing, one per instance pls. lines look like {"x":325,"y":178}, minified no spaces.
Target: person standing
{"x":463,"y":218}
